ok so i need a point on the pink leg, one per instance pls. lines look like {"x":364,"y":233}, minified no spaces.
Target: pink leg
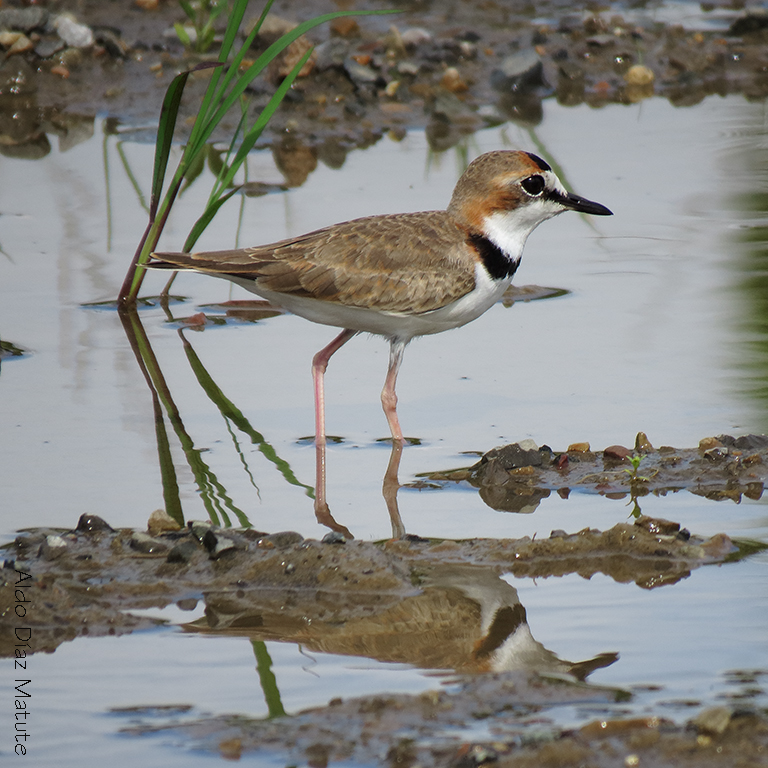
{"x":388,"y":396}
{"x":319,"y":364}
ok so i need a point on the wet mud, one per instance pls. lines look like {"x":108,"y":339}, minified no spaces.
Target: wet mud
{"x":437,"y":605}
{"x":448,"y":69}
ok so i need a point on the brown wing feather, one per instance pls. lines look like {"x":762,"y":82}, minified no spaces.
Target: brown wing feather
{"x":358,"y":263}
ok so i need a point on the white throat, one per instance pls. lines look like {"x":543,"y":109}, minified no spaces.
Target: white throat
{"x":510,"y":229}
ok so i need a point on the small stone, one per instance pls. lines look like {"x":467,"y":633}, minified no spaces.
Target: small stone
{"x":453,"y":81}
{"x":391,"y":88}
{"x":750,"y":442}
{"x":408,"y":68}
{"x":713,"y":720}
{"x":334,"y":537}
{"x":92,"y":524}
{"x":331,"y":53}
{"x":709,"y":442}
{"x":47,"y":46}
{"x":291,"y":57}
{"x":73,"y":33}
{"x":657,"y":525}
{"x":23,"y":19}
{"x":639,"y":75}
{"x":520,"y":72}
{"x":616,"y":452}
{"x":53,"y":547}
{"x":415,"y":36}
{"x":160,"y":522}
{"x":345,"y":27}
{"x":145,"y":544}
{"x":112,"y":42}
{"x":22,"y":45}
{"x":183,"y":552}
{"x":199,"y":528}
{"x":393,"y":42}
{"x":571,"y":71}
{"x":7,"y":39}
{"x":283,"y":539}
{"x":642,"y":443}
{"x":578,"y":448}
{"x":360,"y":73}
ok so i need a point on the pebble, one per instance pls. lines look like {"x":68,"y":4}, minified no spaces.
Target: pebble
{"x":53,"y":547}
{"x":709,"y":442}
{"x":281,"y":540}
{"x":408,"y":68}
{"x":218,"y":545}
{"x":7,"y":39}
{"x":642,"y":443}
{"x":92,"y":524}
{"x":657,"y":525}
{"x":331,"y":53}
{"x":520,"y":72}
{"x":639,"y":75}
{"x":182,"y":552}
{"x":47,"y":46}
{"x":72,"y":32}
{"x":144,"y":543}
{"x":22,"y":45}
{"x":334,"y":537}
{"x":515,"y":455}
{"x":578,"y":448}
{"x":199,"y":528}
{"x":713,"y":720}
{"x":453,"y":81}
{"x":345,"y":27}
{"x":23,"y":19}
{"x":360,"y":73}
{"x":617,"y":452}
{"x":160,"y":522}
{"x":745,"y":442}
{"x":415,"y":36}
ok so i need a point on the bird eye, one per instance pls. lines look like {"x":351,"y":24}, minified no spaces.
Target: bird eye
{"x":533,"y":185}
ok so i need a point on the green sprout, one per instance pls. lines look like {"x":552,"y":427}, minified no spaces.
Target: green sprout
{"x":203,"y":15}
{"x":634,"y":477}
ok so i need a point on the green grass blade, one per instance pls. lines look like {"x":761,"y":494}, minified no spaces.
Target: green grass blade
{"x":213,"y":91}
{"x":233,"y":414}
{"x":166,"y":126}
{"x":188,"y":9}
{"x":199,"y":226}
{"x":252,"y":135}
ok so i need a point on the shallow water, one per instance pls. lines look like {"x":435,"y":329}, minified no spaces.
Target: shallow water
{"x":663,"y":330}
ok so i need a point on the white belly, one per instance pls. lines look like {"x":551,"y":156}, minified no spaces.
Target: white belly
{"x":401,"y":325}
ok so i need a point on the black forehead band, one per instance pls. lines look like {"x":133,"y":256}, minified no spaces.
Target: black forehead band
{"x":536,"y":159}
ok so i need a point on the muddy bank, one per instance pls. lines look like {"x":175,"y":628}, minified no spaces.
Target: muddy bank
{"x":449,"y":71}
{"x":514,"y":478}
{"x":437,"y":605}
{"x":400,"y":730}
{"x":84,"y":580}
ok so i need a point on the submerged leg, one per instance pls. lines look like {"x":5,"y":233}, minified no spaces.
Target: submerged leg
{"x":319,"y":364}
{"x":388,"y":396}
